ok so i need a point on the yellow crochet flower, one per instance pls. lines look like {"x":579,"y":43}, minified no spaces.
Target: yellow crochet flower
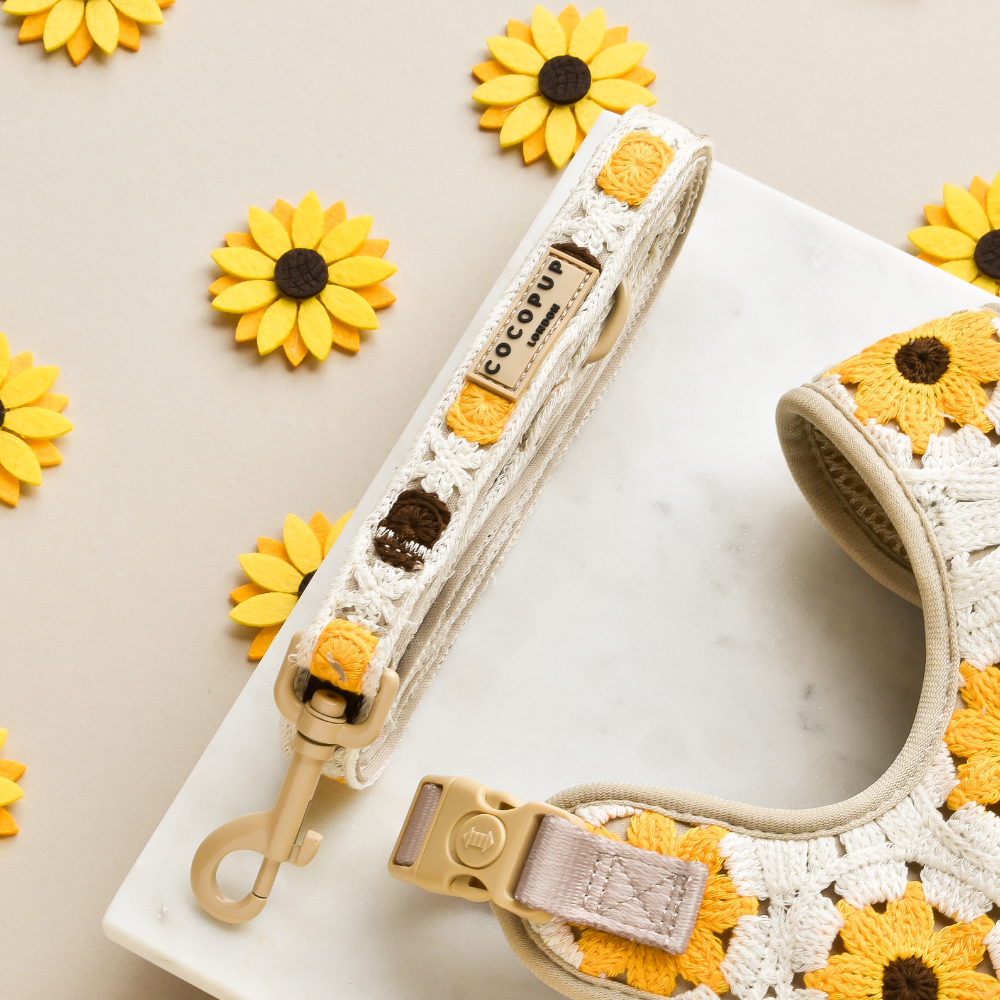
{"x":10,"y":772}
{"x":974,"y":733}
{"x":931,"y":374}
{"x":897,"y":955}
{"x":963,"y":237}
{"x":77,"y":24}
{"x":656,"y":971}
{"x":303,"y":278}
{"x":280,"y":572}
{"x":547,"y":83}
{"x":29,"y":416}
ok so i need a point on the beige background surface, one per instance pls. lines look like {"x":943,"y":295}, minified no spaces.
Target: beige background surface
{"x":119,"y":177}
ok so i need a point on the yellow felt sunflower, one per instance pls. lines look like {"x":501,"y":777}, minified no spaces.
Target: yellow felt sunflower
{"x":30,"y":416}
{"x":280,"y":572}
{"x":303,"y":279}
{"x":78,"y":24}
{"x":547,"y":83}
{"x":656,"y":971}
{"x":974,"y":733}
{"x":963,"y":235}
{"x":933,"y":373}
{"x":10,"y":772}
{"x":897,"y":955}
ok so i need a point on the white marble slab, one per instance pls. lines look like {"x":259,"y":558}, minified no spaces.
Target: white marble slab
{"x":681,"y":620}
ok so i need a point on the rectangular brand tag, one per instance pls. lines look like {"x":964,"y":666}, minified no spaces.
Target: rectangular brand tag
{"x":545,"y":305}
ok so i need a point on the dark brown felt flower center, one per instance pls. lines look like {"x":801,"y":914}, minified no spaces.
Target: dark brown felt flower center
{"x":923,"y":360}
{"x":987,"y":255}
{"x":564,"y":80}
{"x":305,"y":582}
{"x":3,"y":413}
{"x":301,"y":273}
{"x":909,"y":979}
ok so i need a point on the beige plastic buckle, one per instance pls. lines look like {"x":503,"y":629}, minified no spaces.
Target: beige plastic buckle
{"x":463,"y":839}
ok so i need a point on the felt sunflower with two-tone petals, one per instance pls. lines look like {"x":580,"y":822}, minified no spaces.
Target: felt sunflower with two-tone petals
{"x":30,"y":416}
{"x":279,"y":573}
{"x":548,"y":82}
{"x":79,"y":24}
{"x":303,"y":279}
{"x":10,"y":791}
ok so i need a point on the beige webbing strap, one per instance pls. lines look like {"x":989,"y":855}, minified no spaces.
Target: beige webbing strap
{"x":609,"y":885}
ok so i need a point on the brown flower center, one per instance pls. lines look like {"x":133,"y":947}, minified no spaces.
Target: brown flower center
{"x":987,"y":255}
{"x":305,"y":582}
{"x":410,"y":530}
{"x":3,"y":413}
{"x":564,"y":80}
{"x":301,"y":273}
{"x":908,"y":979}
{"x":923,"y":360}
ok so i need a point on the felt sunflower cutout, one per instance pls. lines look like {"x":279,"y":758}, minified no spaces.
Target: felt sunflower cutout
{"x":547,"y":83}
{"x":974,"y":733}
{"x":933,"y":373}
{"x":898,"y":955}
{"x":78,"y":24}
{"x":30,"y":416}
{"x":303,"y":279}
{"x":10,"y":772}
{"x":963,"y":235}
{"x":651,"y":969}
{"x":280,"y":572}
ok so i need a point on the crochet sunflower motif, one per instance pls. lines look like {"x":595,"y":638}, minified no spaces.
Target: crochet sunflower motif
{"x":303,"y":279}
{"x":963,"y":237}
{"x":30,"y":416}
{"x":78,"y":24}
{"x":10,"y":772}
{"x":931,"y":374}
{"x":974,"y":733}
{"x":897,"y":955}
{"x":547,"y":83}
{"x":280,"y":572}
{"x":656,"y":971}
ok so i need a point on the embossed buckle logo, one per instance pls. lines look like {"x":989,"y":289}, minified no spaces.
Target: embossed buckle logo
{"x":478,"y":839}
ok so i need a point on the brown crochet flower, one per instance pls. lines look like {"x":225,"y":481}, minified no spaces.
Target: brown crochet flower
{"x":410,"y":530}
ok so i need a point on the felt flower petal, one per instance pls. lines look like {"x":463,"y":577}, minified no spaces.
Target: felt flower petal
{"x":345,"y":336}
{"x":964,"y":269}
{"x":334,"y":533}
{"x":10,"y":487}
{"x":505,"y":90}
{"x":27,"y":386}
{"x":533,"y":148}
{"x":617,"y":60}
{"x":353,"y":272}
{"x":262,"y":642}
{"x":547,"y":32}
{"x":36,"y":422}
{"x":377,"y":296}
{"x":128,"y":32}
{"x":307,"y":222}
{"x":314,"y":328}
{"x":276,"y":324}
{"x":334,"y":216}
{"x":560,"y":135}
{"x":588,"y":36}
{"x":301,"y":544}
{"x":267,"y":609}
{"x":993,"y":202}
{"x":80,"y":44}
{"x":965,"y":211}
{"x":526,"y":119}
{"x":516,"y":56}
{"x":345,"y":238}
{"x":102,"y":22}
{"x":248,"y":325}
{"x":46,"y":452}
{"x":244,"y":263}
{"x":53,"y":401}
{"x":143,"y":11}
{"x":246,"y":297}
{"x":20,"y":7}
{"x":271,"y":572}
{"x":519,"y":30}
{"x":494,"y":117}
{"x":19,"y":460}
{"x":349,"y":307}
{"x":488,"y":70}
{"x":948,"y":244}
{"x":620,"y":95}
{"x":269,"y":234}
{"x":11,"y":770}
{"x":587,"y":112}
{"x":9,"y":792}
{"x":62,"y":22}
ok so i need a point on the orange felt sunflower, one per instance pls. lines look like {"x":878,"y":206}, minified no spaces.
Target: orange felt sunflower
{"x":78,"y":24}
{"x":547,"y":83}
{"x":963,"y":235}
{"x":303,"y":279}
{"x":933,"y":373}
{"x":280,"y":572}
{"x":10,"y":772}
{"x":30,"y":416}
{"x":651,"y":969}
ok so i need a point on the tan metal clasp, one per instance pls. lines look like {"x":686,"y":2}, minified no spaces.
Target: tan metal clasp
{"x":320,"y":728}
{"x":461,"y":838}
